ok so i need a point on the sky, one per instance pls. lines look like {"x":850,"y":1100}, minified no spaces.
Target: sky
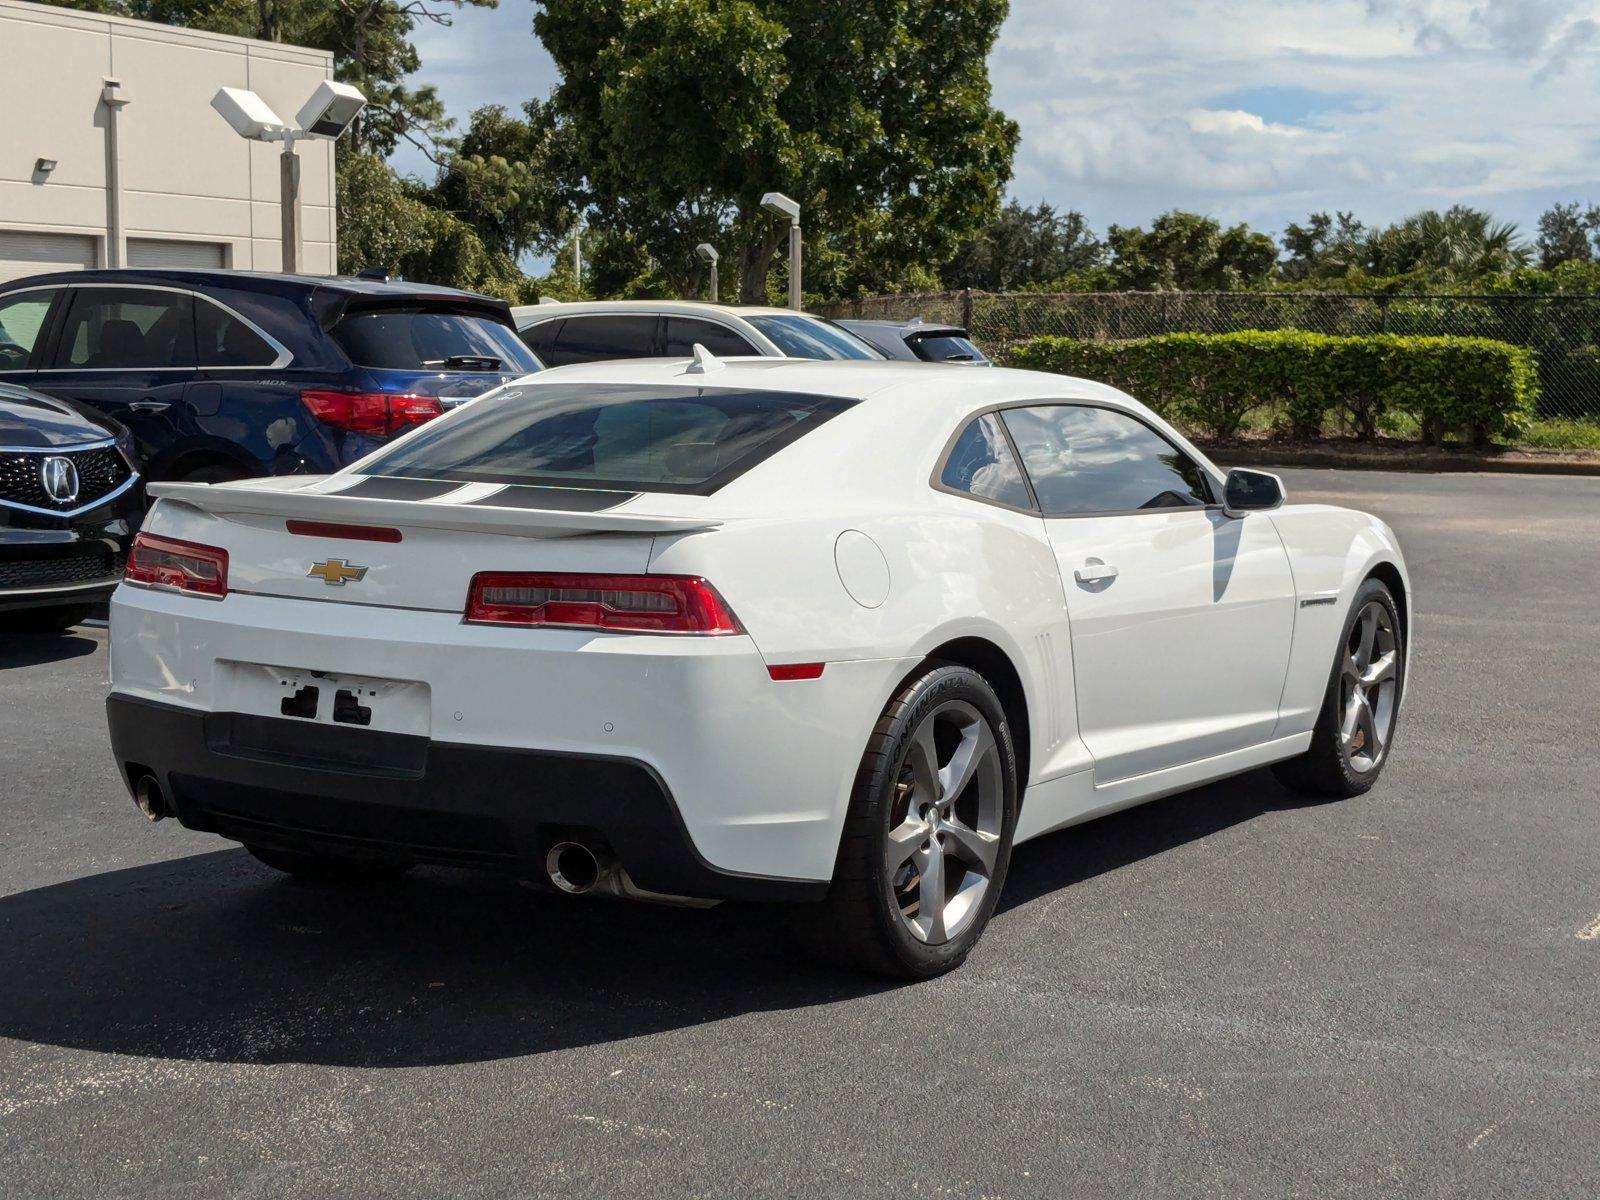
{"x":1250,"y":110}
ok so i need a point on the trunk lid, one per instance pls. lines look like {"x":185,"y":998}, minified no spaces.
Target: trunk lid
{"x":406,"y":543}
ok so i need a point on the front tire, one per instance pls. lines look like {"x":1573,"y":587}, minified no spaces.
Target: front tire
{"x":330,"y":868}
{"x":927,"y":839}
{"x":1354,"y":731}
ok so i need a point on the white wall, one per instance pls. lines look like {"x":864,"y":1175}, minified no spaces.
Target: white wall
{"x":185,"y":173}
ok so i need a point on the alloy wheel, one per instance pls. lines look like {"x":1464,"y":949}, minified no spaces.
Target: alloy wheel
{"x":1369,"y":682}
{"x":945,"y":822}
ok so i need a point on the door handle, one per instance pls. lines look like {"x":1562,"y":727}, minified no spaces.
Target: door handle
{"x":149,"y":406}
{"x":1095,"y":571}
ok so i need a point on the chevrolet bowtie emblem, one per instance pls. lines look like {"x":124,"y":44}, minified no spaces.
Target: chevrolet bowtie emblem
{"x":337,"y":572}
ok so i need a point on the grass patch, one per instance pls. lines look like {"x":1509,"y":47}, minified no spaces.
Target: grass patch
{"x":1558,"y":433}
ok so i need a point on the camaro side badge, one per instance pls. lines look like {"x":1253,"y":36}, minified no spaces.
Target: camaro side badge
{"x":336,"y":571}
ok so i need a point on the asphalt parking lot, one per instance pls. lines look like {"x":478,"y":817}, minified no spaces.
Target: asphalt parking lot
{"x":1226,"y":993}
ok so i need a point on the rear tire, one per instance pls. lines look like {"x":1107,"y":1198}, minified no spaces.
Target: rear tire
{"x":46,"y":620}
{"x":930,"y":822}
{"x":216,"y":473}
{"x":330,"y":868}
{"x":1355,"y":730}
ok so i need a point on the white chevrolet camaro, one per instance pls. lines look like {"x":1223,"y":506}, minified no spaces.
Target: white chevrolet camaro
{"x":837,"y":632}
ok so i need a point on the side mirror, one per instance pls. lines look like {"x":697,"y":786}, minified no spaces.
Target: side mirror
{"x":1250,"y":491}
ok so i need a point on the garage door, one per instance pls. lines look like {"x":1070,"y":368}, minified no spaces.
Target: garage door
{"x":23,"y":254}
{"x":163,"y":252}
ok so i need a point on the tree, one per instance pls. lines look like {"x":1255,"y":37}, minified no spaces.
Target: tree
{"x":1324,"y":247}
{"x":1185,"y":251}
{"x":674,"y":116}
{"x":1025,"y":246}
{"x":1568,"y":233}
{"x":1455,"y":246}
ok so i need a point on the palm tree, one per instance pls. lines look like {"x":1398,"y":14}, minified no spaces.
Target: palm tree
{"x":1458,"y":245}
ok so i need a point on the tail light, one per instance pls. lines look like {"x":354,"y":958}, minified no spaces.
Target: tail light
{"x":378,"y":414}
{"x":174,"y":566}
{"x":616,"y":603}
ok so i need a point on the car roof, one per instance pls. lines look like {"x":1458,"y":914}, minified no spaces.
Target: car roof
{"x":544,"y":312}
{"x":919,"y":383}
{"x":915,"y":325}
{"x":251,"y":280}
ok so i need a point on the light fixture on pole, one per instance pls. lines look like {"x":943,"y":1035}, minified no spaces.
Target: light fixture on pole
{"x":780,"y":205}
{"x":707,"y":253}
{"x":332,"y":109}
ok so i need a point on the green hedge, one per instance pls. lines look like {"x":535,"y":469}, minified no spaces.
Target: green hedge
{"x":1463,"y":386}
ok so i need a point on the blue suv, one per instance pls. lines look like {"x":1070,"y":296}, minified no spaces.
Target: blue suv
{"x":222,"y":374}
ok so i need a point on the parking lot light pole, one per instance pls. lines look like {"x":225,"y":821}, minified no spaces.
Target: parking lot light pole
{"x":332,"y":109}
{"x":780,"y":205}
{"x":708,"y":254}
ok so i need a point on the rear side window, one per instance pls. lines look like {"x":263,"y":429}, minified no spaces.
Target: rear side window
{"x":223,"y":340}
{"x":21,"y":320}
{"x":691,"y":440}
{"x":981,"y":464}
{"x":1082,"y":459}
{"x":605,"y":336}
{"x":127,"y":328}
{"x":541,"y":339}
{"x":684,"y":332}
{"x":420,"y":338}
{"x":800,"y":336}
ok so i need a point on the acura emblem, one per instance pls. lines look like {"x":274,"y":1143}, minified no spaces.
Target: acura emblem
{"x":60,"y":479}
{"x":336,"y":571}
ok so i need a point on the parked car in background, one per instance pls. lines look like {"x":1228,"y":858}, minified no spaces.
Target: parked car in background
{"x":581,"y":631}
{"x":220,"y":375}
{"x":920,"y":341}
{"x":70,"y":503}
{"x":561,"y":334}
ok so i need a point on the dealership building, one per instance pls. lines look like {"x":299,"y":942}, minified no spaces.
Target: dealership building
{"x":111,"y":155}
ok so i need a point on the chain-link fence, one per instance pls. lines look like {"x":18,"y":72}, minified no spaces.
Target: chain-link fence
{"x":1564,"y":331}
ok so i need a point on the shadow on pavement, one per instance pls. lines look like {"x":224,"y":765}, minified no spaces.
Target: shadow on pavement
{"x":215,"y":958}
{"x":36,"y":649}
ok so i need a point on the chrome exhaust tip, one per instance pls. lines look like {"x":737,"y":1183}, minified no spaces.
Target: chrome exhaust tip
{"x":572,"y":867}
{"x":147,"y":795}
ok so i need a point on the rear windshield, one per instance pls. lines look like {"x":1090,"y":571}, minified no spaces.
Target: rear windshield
{"x":426,"y":339}
{"x":801,"y":336}
{"x":943,"y":347}
{"x":587,"y":436}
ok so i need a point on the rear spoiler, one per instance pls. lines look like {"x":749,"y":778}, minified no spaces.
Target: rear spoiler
{"x":463,"y":518}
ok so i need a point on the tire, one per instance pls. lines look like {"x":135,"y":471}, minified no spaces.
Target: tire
{"x":330,"y":868}
{"x":54,"y":619}
{"x":874,"y":917}
{"x":216,"y":473}
{"x":1342,"y":765}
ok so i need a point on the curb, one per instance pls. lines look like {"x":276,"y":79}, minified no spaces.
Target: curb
{"x":1422,"y":460}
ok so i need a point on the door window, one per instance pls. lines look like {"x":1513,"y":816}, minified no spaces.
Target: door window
{"x":123,"y":328}
{"x":594,"y":338}
{"x":1083,"y":459}
{"x":21,"y":321}
{"x":684,"y":332}
{"x":981,"y":464}
{"x":223,"y":340}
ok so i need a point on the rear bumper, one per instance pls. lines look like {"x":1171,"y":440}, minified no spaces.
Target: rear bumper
{"x":292,"y":785}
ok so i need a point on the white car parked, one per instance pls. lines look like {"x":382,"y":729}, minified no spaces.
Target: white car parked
{"x":831,"y":632}
{"x":596,"y":330}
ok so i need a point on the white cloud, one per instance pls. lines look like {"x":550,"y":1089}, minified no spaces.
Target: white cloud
{"x":1430,"y":102}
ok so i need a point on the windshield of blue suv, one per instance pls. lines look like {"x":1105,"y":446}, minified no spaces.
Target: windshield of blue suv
{"x":800,"y":336}
{"x":419,"y":338}
{"x":635,"y":437}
